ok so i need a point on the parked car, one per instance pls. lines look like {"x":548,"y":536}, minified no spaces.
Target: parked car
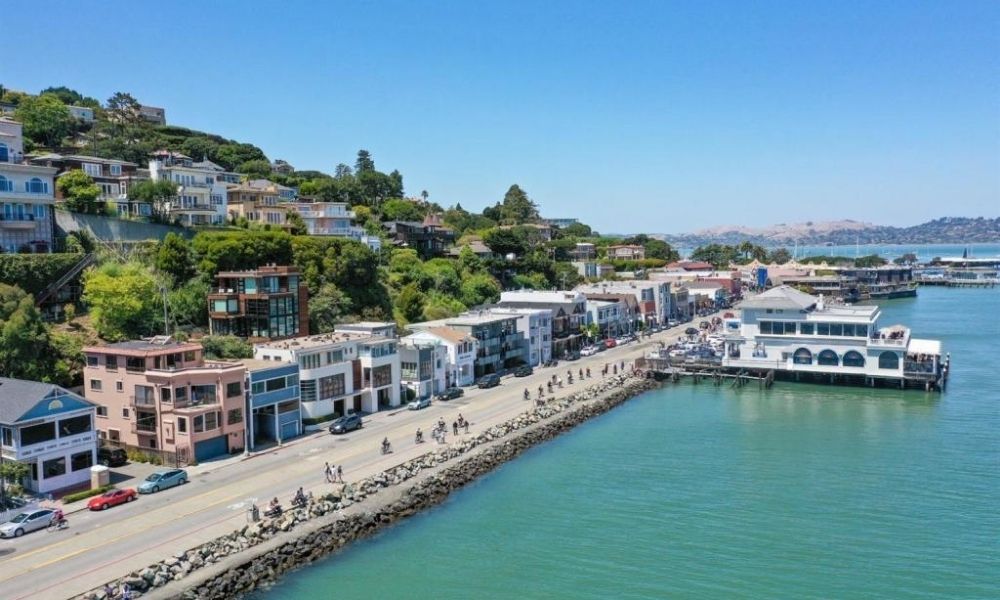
{"x":12,"y":503}
{"x":419,"y":403}
{"x":451,"y":394}
{"x":610,"y":343}
{"x":346,"y":423}
{"x":112,"y":457}
{"x":588,"y":351}
{"x":161,"y":480}
{"x":523,"y":371}
{"x":551,"y":363}
{"x":112,"y":498}
{"x":488,"y":381}
{"x":691,"y":331}
{"x":26,"y":522}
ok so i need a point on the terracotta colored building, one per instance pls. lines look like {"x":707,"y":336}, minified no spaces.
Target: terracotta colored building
{"x":161,"y":394}
{"x":267,"y":303}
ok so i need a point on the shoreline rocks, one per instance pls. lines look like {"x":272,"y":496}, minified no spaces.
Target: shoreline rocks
{"x":479,"y":455}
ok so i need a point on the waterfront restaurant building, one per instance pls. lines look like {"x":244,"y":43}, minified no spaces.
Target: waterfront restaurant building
{"x":790,"y":331}
{"x":51,"y":430}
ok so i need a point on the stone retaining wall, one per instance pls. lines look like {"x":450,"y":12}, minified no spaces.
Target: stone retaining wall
{"x":494,"y":447}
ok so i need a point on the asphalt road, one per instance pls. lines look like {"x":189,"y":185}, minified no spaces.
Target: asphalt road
{"x":100,"y":546}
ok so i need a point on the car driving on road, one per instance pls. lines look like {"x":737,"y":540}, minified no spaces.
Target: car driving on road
{"x":523,"y":371}
{"x":161,"y":480}
{"x":488,"y":381}
{"x":346,"y":423}
{"x":26,"y":522}
{"x":451,"y":394}
{"x":112,"y":498}
{"x":419,"y":403}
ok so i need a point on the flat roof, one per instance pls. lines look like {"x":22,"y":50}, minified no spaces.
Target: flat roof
{"x":257,"y":364}
{"x":321,"y":340}
{"x":924,"y":346}
{"x":155,"y":344}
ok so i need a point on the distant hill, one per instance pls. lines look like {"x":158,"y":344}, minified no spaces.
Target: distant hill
{"x":946,"y":230}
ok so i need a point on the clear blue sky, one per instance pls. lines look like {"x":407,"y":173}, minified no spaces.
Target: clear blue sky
{"x":633,"y":116}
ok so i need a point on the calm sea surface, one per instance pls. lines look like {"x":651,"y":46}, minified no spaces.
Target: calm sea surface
{"x":702,"y":492}
{"x":924,"y":252}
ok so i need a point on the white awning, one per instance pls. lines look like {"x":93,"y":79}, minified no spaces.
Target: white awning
{"x":919,"y":346}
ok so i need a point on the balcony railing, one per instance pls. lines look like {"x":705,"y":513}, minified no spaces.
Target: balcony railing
{"x":142,"y":401}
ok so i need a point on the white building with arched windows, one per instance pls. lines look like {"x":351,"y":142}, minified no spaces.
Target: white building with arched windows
{"x":789,"y":331}
{"x":26,"y":196}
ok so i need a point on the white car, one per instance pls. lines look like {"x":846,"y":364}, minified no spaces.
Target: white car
{"x":588,"y":351}
{"x":418,"y":404}
{"x":26,"y":522}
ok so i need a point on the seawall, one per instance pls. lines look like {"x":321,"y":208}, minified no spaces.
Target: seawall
{"x":260,"y":553}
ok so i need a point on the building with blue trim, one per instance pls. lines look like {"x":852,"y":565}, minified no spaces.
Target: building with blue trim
{"x":272,"y":402}
{"x":51,"y":430}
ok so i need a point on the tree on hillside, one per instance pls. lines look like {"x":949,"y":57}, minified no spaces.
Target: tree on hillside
{"x":751,"y":251}
{"x":517,"y":208}
{"x":296,"y":224}
{"x":718,"y":255}
{"x":506,"y":240}
{"x":46,"y":119}
{"x":327,"y":308}
{"x":124,"y":301}
{"x":124,"y":134}
{"x":79,"y":191}
{"x":25,"y":349}
{"x":232,"y":155}
{"x":479,"y":289}
{"x":364,"y":163}
{"x":410,"y":304}
{"x":398,"y":209}
{"x":577,"y":230}
{"x":173,"y":257}
{"x":779,"y":256}
{"x":155,"y":193}
{"x":255,"y":169}
{"x":71,"y":97}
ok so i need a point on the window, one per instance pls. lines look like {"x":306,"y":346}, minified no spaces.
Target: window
{"x":199,"y":424}
{"x":91,"y":360}
{"x":765,"y":326}
{"x":307,"y":390}
{"x":381,"y":376}
{"x":853,"y":359}
{"x":234,"y":416}
{"x":124,"y":412}
{"x":211,"y":421}
{"x":848,"y":329}
{"x":189,"y":355}
{"x":7,"y":436}
{"x":180,"y":394}
{"x":116,"y":169}
{"x":331,"y":387}
{"x":828,"y":357}
{"x":92,"y":169}
{"x":886,"y":360}
{"x":81,"y":461}
{"x":823,"y":329}
{"x":36,"y":186}
{"x":95,"y":385}
{"x":102,"y":411}
{"x":119,"y":386}
{"x":74,"y":425}
{"x":802,"y":356}
{"x":203,"y":394}
{"x":334,"y":356}
{"x":309,"y":361}
{"x":182,"y":425}
{"x":54,"y":467}
{"x":35,"y":434}
{"x":273,"y":385}
{"x":165,"y":395}
{"x":234,"y":389}
{"x":836,"y":329}
{"x":806,"y":328}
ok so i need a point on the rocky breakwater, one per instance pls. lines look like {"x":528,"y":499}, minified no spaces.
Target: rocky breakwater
{"x":259,"y":553}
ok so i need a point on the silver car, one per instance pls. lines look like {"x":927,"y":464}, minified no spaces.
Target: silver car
{"x":26,"y":522}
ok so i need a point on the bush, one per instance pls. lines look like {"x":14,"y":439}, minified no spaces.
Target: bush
{"x":33,"y":272}
{"x":77,"y":496}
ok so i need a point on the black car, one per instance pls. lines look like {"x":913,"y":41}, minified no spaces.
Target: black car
{"x":488,"y":381}
{"x":691,"y":331}
{"x":451,"y":394}
{"x":523,"y":371}
{"x":112,"y":457}
{"x":346,"y":423}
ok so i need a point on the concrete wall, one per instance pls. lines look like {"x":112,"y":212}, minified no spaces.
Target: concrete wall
{"x":111,"y":229}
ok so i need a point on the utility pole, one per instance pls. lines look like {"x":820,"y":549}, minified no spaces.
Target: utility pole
{"x":166,"y":323}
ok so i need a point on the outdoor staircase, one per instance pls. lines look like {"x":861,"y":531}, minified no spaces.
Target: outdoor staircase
{"x":68,"y":276}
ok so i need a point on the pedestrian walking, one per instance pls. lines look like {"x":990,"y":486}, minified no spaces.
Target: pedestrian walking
{"x":454,"y":427}
{"x":340,"y":473}
{"x":328,"y":473}
{"x":466,"y":427}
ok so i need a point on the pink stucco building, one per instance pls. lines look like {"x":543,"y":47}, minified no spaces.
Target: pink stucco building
{"x":161,"y":394}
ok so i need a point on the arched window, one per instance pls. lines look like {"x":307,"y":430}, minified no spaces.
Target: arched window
{"x":36,"y":186}
{"x":6,"y":185}
{"x":853,"y":358}
{"x":828,"y":357}
{"x":802,"y":356}
{"x":888,"y":360}
{"x":4,"y":152}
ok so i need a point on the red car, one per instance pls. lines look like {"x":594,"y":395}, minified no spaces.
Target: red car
{"x":610,"y":343}
{"x":111,"y":498}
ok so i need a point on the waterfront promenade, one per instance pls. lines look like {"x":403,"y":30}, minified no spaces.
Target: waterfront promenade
{"x":99,"y":547}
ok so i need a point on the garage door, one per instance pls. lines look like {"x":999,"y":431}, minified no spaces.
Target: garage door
{"x":210,"y":448}
{"x":289,"y":430}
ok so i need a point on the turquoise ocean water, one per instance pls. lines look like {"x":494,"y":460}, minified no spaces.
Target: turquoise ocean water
{"x":924,"y":252}
{"x":702,"y":492}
